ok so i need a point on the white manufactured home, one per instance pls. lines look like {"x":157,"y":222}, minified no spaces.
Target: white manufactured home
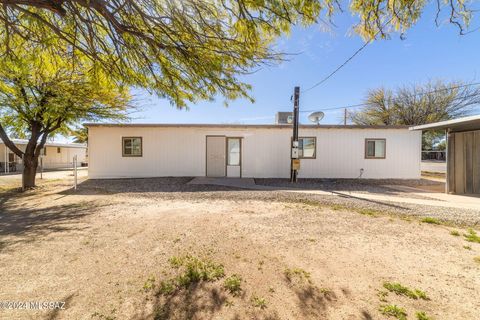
{"x":53,"y":155}
{"x":257,"y":151}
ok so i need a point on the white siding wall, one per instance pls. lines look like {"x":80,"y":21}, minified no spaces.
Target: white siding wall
{"x":64,"y":159}
{"x":52,"y":159}
{"x":180,"y":151}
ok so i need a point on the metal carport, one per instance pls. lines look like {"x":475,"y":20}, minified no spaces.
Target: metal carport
{"x":463,"y":153}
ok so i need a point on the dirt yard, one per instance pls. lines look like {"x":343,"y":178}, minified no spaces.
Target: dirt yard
{"x":161,"y":249}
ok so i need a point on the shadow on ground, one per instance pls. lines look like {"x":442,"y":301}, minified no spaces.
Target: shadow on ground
{"x":143,"y":185}
{"x":19,"y":223}
{"x":199,"y":298}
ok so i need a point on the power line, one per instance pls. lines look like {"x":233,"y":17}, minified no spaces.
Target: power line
{"x":339,"y":67}
{"x":417,"y":94}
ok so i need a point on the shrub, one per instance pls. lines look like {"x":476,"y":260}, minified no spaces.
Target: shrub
{"x":233,"y":284}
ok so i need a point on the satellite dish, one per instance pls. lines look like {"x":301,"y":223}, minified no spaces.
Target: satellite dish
{"x":316,"y":117}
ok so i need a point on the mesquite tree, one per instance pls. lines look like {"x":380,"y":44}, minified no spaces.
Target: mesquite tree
{"x":42,"y":95}
{"x":186,"y":50}
{"x":418,"y":104}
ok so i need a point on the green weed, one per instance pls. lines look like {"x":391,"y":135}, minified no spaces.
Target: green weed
{"x":472,"y":236}
{"x":430,"y":220}
{"x":166,"y":287}
{"x":297,"y":274}
{"x":467,"y":247}
{"x":194,"y":270}
{"x":393,"y":311}
{"x":259,"y":302}
{"x":233,"y":284}
{"x":455,"y":233}
{"x":149,"y":284}
{"x":401,"y":290}
{"x":477,"y":259}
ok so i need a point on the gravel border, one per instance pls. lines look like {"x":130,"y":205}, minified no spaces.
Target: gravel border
{"x":177,"y":188}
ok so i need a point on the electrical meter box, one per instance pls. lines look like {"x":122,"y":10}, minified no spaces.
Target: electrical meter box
{"x":296,"y":164}
{"x":295,"y":144}
{"x":294,"y":153}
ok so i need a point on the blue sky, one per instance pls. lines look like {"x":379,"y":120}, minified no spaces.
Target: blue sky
{"x":428,"y":53}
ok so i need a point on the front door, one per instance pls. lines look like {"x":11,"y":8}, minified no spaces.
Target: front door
{"x":216,"y":162}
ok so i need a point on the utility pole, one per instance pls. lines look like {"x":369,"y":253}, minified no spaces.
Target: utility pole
{"x":345,"y":117}
{"x":295,"y":161}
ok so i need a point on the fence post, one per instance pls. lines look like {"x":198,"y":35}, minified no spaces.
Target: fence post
{"x":41,"y":168}
{"x":23,"y":173}
{"x":75,"y":172}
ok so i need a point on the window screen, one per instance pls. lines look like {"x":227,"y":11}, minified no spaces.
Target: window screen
{"x":306,"y":147}
{"x":375,"y":148}
{"x":132,"y":147}
{"x":233,"y":150}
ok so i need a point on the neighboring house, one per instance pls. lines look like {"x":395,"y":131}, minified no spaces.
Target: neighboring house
{"x":54,"y":155}
{"x":463,"y":153}
{"x":258,"y":151}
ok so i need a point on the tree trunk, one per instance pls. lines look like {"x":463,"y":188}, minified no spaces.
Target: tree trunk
{"x":30,"y":164}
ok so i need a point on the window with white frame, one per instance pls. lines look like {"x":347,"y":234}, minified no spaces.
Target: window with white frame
{"x":132,"y":146}
{"x":375,"y":148}
{"x":233,"y":151}
{"x":307,"y":147}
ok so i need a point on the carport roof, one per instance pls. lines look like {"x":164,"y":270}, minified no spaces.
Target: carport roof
{"x":455,"y":125}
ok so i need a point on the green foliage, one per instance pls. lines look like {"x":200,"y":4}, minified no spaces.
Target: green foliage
{"x":80,"y":135}
{"x":477,"y":259}
{"x":430,"y":220}
{"x":472,"y":236}
{"x":297,"y":275}
{"x":189,"y":50}
{"x":58,"y":92}
{"x":455,"y":233}
{"x":259,"y":302}
{"x":193,"y":270}
{"x":393,"y":311}
{"x":422,"y":316}
{"x":233,"y":284}
{"x":43,"y":94}
{"x":401,"y":290}
{"x":166,"y":287}
{"x":149,"y":284}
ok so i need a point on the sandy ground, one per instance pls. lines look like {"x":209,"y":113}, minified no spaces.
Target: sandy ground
{"x":105,"y":249}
